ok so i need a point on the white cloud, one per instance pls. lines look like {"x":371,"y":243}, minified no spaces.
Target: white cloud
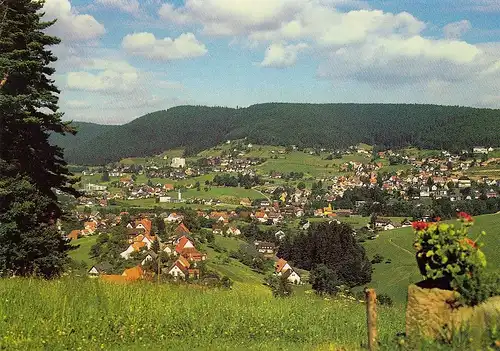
{"x":275,"y":20}
{"x":108,"y":80}
{"x":229,"y":17}
{"x":70,"y":25}
{"x":130,"y":6}
{"x":146,"y":45}
{"x":455,"y":30}
{"x":395,"y":60}
{"x":104,"y":75}
{"x":417,"y":46}
{"x":76,"y":104}
{"x":103,"y":64}
{"x":280,"y":55}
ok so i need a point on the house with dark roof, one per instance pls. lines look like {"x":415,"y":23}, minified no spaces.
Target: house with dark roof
{"x":266,"y":248}
{"x":98,"y":269}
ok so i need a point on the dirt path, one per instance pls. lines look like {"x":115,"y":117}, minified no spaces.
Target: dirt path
{"x":399,"y":247}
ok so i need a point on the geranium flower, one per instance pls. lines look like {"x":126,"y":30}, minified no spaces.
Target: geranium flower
{"x":465,"y":216}
{"x":420,"y":225}
{"x":469,"y":242}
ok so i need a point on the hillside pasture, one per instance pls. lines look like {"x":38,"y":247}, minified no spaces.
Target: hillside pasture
{"x":310,"y":165}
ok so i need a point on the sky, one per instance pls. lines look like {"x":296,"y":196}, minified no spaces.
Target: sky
{"x":121,"y":59}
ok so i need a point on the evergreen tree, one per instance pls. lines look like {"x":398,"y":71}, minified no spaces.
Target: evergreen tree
{"x":105,"y":176}
{"x":30,"y":167}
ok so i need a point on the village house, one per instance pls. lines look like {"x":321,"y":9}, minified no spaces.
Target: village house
{"x":464,"y":182}
{"x":150,"y":257}
{"x":384,"y":224}
{"x":282,"y":268}
{"x":128,"y":275}
{"x":174,"y":217}
{"x":182,"y":268}
{"x":99,"y":269}
{"x":185,"y":247}
{"x":245,"y":202}
{"x":261,"y":216}
{"x":280,"y":235}
{"x":74,"y":234}
{"x":178,"y":162}
{"x":233,"y":231}
{"x":90,"y":227}
{"x":491,"y":194}
{"x":182,"y":230}
{"x":135,"y":247}
{"x":267,"y":249}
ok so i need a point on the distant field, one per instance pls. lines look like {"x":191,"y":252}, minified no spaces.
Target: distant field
{"x":151,"y":203}
{"x":218,"y":192}
{"x":397,"y":245}
{"x":312,"y":165}
{"x":490,"y":171}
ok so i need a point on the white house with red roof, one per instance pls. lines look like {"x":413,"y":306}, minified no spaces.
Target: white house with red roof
{"x":283,"y":268}
{"x":174,"y":217}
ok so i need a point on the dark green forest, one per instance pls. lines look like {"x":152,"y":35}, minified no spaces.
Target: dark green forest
{"x":304,"y":125}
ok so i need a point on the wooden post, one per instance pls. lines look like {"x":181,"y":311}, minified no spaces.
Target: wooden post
{"x":371,"y":317}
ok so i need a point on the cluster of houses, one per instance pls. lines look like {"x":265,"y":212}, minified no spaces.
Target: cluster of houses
{"x":178,"y":247}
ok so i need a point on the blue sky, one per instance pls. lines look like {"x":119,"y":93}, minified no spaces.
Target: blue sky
{"x":120,"y":59}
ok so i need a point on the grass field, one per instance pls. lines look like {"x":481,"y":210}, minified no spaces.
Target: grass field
{"x":86,"y":314}
{"x":151,"y":203}
{"x":82,"y":252}
{"x":215,"y":192}
{"x":397,"y":245}
{"x":310,"y":165}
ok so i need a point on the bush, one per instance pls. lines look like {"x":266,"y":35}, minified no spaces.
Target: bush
{"x":226,"y":282}
{"x":377,"y":259}
{"x":280,"y":286}
{"x":384,"y":300}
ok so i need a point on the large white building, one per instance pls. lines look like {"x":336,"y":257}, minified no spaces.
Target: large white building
{"x":178,"y":162}
{"x":94,"y":187}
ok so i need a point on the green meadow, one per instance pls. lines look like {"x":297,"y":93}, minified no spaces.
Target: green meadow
{"x":310,"y":165}
{"x":86,"y":314}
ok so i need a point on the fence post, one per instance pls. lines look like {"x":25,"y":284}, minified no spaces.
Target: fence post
{"x":371,"y":317}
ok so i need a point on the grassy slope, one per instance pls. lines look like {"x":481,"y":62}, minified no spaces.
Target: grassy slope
{"x":397,"y":245}
{"x":308,"y":164}
{"x":89,"y":315}
{"x":243,"y":276}
{"x":82,"y":252}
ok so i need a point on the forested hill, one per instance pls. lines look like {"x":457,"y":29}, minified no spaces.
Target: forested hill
{"x":86,"y":131}
{"x":314,"y":125}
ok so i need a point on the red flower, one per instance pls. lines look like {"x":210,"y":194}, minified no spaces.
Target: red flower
{"x":465,"y":216}
{"x":420,"y":225}
{"x":469,"y":242}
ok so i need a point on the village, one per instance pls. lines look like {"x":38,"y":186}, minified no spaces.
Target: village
{"x":162,"y":242}
{"x":171,"y":256}
{"x":460,"y":177}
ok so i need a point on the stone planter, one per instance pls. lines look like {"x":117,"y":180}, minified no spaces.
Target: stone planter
{"x":436,"y":314}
